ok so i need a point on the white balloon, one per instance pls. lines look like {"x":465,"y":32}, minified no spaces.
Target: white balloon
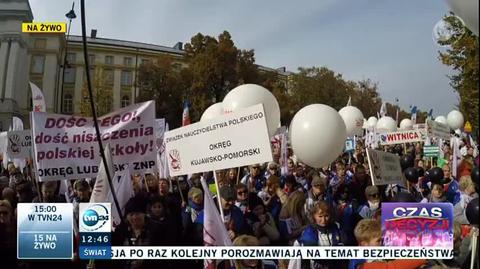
{"x":251,"y":94}
{"x":365,"y":124}
{"x":441,"y":119}
{"x":467,"y":10}
{"x":406,"y":124}
{"x":372,"y":122}
{"x":386,"y":124}
{"x":212,"y":112}
{"x":353,"y":119}
{"x":318,"y":135}
{"x":455,"y":119}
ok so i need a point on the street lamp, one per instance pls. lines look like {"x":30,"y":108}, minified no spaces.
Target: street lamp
{"x":70,"y":16}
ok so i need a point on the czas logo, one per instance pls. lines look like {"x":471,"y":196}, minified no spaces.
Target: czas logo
{"x":95,"y":217}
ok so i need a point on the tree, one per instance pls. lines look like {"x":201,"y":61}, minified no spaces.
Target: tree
{"x":462,"y":56}
{"x":102,"y":93}
{"x":162,"y":81}
{"x":216,"y":66}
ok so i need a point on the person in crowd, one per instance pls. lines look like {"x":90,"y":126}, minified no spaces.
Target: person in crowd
{"x":152,"y":183}
{"x":372,"y":208}
{"x":234,"y":220}
{"x":437,"y":194}
{"x":232,"y":176}
{"x":4,"y":182}
{"x":451,"y":185}
{"x":291,"y":185}
{"x":247,"y":241}
{"x":291,"y":164}
{"x":467,"y":193}
{"x":323,"y":231}
{"x":82,"y":192}
{"x":10,"y":195}
{"x":49,"y":190}
{"x":299,"y":175}
{"x":161,"y":223}
{"x":242,"y":197}
{"x":261,"y":222}
{"x":192,"y":231}
{"x":254,"y":181}
{"x":368,"y":233}
{"x":8,"y":232}
{"x":338,"y":179}
{"x":317,"y":193}
{"x":137,"y":231}
{"x":272,"y":169}
{"x":24,"y":191}
{"x":173,"y":202}
{"x":360,"y":181}
{"x":276,"y":197}
{"x":292,"y":218}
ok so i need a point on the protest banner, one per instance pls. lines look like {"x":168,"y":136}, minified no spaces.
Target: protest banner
{"x":384,"y":167}
{"x":438,"y":129}
{"x":431,"y":151}
{"x":19,"y":144}
{"x":66,"y":147}
{"x":349,"y":145}
{"x":231,"y":140}
{"x":402,"y":137}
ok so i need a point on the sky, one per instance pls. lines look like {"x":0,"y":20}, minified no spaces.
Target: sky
{"x":387,"y":41}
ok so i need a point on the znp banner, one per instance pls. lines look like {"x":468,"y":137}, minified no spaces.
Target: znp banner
{"x":66,"y":147}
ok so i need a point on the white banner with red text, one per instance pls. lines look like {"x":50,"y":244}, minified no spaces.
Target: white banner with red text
{"x":66,"y":147}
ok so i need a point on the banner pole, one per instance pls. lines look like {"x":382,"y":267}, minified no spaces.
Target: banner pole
{"x":370,"y":167}
{"x":180,"y":190}
{"x":219,"y":198}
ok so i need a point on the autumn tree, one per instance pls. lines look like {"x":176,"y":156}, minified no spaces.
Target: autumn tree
{"x":462,"y":55}
{"x":102,"y":91}
{"x":216,"y":66}
{"x":166,"y":83}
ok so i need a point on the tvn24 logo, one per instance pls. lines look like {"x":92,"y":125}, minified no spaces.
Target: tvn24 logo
{"x":95,"y":217}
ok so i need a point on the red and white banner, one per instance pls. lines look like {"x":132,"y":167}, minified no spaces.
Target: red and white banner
{"x":402,"y":137}
{"x":38,"y":101}
{"x":66,"y":147}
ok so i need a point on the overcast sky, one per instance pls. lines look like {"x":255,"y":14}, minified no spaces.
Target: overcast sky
{"x":388,"y":41}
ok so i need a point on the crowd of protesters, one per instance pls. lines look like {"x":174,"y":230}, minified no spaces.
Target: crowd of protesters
{"x":263,"y":205}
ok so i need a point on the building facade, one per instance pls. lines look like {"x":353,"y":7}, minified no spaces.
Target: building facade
{"x":39,"y":58}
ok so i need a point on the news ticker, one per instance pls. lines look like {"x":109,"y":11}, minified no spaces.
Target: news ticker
{"x":45,"y":231}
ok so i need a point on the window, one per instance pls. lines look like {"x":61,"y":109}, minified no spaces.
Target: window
{"x":67,"y":103}
{"x":126,"y":79}
{"x":127,"y":61}
{"x":71,"y":58}
{"x":125,"y":101}
{"x":91,"y":59}
{"x":109,"y":60}
{"x":70,"y":75}
{"x":40,"y":43}
{"x":92,"y":74}
{"x":38,"y":62}
{"x":108,"y":74}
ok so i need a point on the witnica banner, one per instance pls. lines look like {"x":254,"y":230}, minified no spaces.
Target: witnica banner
{"x":235,"y":139}
{"x":402,"y":137}
{"x":66,"y":147}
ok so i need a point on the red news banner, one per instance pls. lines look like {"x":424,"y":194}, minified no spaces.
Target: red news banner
{"x":66,"y":147}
